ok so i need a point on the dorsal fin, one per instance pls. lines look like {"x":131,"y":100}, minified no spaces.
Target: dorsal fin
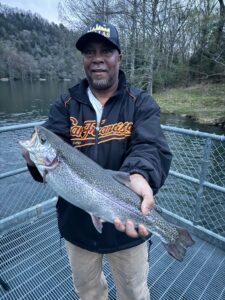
{"x":121,"y":177}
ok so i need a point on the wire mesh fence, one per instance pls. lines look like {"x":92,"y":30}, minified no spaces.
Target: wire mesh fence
{"x":194,"y":190}
{"x":20,"y":192}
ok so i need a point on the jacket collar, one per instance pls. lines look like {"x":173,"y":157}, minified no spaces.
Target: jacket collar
{"x":79,"y":91}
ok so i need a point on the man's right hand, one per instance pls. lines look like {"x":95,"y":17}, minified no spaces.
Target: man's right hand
{"x":26,"y":156}
{"x":141,"y":187}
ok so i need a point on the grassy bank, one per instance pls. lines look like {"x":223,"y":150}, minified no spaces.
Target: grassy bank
{"x":205,"y":103}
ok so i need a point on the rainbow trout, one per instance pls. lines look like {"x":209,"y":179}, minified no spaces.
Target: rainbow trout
{"x":104,"y":194}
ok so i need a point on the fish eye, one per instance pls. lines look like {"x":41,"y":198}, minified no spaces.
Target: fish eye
{"x":42,"y":139}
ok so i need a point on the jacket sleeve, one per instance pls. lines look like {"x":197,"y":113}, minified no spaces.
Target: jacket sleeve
{"x":148,"y":153}
{"x":58,"y":122}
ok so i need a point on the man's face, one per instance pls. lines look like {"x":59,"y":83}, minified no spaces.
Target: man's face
{"x":101,"y":65}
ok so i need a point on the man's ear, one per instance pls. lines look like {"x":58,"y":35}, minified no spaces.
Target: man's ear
{"x":120,"y":58}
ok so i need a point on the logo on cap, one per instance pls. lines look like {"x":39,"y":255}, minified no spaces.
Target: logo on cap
{"x":101,"y":30}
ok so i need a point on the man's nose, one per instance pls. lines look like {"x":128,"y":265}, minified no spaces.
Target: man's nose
{"x":98,"y":56}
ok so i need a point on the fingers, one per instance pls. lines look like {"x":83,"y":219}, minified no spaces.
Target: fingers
{"x":142,"y":230}
{"x":130,"y":229}
{"x":119,"y":225}
{"x":147,"y":203}
{"x":141,"y":187}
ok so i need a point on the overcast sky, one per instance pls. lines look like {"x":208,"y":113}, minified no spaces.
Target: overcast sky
{"x":46,"y":8}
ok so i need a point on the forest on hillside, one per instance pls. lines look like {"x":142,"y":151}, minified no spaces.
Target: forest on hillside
{"x":32,"y":48}
{"x":164,"y":42}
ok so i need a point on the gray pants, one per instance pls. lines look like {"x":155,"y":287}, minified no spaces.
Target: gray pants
{"x":129,"y":269}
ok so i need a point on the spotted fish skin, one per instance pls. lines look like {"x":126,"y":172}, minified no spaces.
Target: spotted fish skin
{"x":104,"y":194}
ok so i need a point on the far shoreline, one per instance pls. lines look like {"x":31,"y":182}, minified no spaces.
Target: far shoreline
{"x":202,"y":103}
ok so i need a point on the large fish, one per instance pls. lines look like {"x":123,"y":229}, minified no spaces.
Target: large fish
{"x":104,"y":194}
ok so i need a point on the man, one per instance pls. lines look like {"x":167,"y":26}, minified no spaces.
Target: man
{"x":118,"y":126}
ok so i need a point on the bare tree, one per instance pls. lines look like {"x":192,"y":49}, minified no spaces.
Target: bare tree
{"x":82,"y":13}
{"x":209,"y":55}
{"x":162,"y":40}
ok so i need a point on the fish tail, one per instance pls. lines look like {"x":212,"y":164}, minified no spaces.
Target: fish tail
{"x":178,"y":248}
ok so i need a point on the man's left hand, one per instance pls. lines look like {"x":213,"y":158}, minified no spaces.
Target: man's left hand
{"x":141,"y":187}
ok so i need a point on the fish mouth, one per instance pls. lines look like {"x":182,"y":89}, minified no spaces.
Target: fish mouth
{"x":27,"y":144}
{"x":43,"y":156}
{"x":51,"y":164}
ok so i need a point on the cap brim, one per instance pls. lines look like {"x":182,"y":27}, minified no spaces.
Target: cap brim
{"x":93,"y":37}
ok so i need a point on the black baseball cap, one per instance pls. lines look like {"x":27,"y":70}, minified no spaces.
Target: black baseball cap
{"x":99,"y":31}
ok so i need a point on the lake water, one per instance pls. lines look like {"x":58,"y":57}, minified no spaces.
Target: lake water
{"x":22,"y":102}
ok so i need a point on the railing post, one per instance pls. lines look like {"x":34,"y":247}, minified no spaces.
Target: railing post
{"x":203,"y":173}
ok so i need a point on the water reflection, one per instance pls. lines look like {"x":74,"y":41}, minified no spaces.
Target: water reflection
{"x":183,"y":122}
{"x":22,"y":102}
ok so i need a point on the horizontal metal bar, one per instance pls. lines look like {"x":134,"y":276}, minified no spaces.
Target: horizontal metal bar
{"x":164,"y":127}
{"x":21,"y":126}
{"x":195,"y":180}
{"x":194,"y":133}
{"x":12,"y":173}
{"x":29,"y":214}
{"x":214,"y":186}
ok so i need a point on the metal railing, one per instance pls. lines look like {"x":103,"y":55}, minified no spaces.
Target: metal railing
{"x":194,"y":192}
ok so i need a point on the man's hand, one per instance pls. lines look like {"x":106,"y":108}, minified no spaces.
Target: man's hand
{"x":26,"y":156}
{"x":141,"y":187}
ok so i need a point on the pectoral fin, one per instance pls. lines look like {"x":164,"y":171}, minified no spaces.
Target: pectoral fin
{"x":97,"y":222}
{"x":121,"y":177}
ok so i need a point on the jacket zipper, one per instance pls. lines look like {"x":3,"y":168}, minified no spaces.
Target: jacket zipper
{"x":95,"y":157}
{"x":97,"y":135}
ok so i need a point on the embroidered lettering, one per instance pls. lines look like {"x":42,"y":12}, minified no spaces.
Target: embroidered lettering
{"x":121,"y":128}
{"x":84,"y":135}
{"x":101,"y":30}
{"x":83,"y":132}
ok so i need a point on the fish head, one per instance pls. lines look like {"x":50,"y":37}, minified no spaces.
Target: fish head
{"x":41,"y":151}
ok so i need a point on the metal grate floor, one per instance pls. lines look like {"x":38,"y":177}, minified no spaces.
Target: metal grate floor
{"x":35,"y":268}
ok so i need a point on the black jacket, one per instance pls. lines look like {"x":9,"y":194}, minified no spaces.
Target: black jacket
{"x":129,"y":139}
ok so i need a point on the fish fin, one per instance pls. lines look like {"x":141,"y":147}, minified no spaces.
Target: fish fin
{"x":179,"y":247}
{"x":97,"y":222}
{"x":185,"y":237}
{"x":121,"y":177}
